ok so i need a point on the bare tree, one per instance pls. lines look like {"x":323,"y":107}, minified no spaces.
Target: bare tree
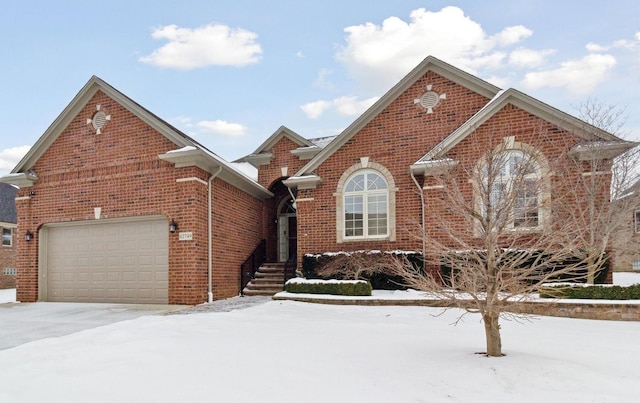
{"x":502,"y":217}
{"x":610,"y":169}
{"x":493,"y":233}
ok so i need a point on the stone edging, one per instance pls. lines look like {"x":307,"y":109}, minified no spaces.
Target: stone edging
{"x":579,"y":310}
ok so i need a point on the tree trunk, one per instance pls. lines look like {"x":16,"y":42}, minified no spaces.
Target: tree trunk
{"x":492,"y":333}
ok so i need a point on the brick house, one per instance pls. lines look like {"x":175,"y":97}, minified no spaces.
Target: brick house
{"x":8,"y":224}
{"x":122,"y":207}
{"x":626,"y":235}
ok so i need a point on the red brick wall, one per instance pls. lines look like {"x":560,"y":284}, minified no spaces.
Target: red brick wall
{"x":399,"y":136}
{"x":238,"y":230}
{"x":282,"y":157}
{"x":120,"y":172}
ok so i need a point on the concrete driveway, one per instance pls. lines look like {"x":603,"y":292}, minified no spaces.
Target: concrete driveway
{"x":24,"y":322}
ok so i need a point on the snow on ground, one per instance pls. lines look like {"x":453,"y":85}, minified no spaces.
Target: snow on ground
{"x":255,"y":349}
{"x":7,"y":296}
{"x":285,"y":351}
{"x":626,"y":278}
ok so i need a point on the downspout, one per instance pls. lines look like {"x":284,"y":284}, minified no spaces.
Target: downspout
{"x":422,"y":208}
{"x":210,"y":237}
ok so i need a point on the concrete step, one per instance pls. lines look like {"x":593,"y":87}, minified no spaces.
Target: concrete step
{"x":268,"y":280}
{"x":267,"y":269}
{"x":255,"y":293}
{"x":263,"y":286}
{"x":269,"y":276}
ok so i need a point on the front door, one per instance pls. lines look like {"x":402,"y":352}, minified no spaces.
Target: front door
{"x":287,"y":230}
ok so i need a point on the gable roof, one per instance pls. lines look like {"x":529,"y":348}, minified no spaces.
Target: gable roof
{"x":535,"y":107}
{"x":308,"y":148}
{"x":21,"y":175}
{"x":428,"y":64}
{"x":281,"y":132}
{"x":78,"y":102}
{"x":8,"y":204}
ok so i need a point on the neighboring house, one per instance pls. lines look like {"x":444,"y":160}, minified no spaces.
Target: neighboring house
{"x":626,"y":235}
{"x":8,"y":226}
{"x":123,"y":207}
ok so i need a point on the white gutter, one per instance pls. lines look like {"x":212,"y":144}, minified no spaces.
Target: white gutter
{"x":424,"y":235}
{"x":210,"y":237}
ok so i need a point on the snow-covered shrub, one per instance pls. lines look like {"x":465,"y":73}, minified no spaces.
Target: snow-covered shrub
{"x":614,"y":292}
{"x":331,"y":287}
{"x":372,"y":265}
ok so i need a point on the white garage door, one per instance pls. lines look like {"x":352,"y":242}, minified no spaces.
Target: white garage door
{"x":122,"y":262}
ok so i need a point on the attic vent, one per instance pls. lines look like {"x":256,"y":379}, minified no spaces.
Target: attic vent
{"x":429,"y":99}
{"x":99,"y":119}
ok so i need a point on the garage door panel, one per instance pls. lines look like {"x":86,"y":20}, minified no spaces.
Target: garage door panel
{"x":108,"y":262}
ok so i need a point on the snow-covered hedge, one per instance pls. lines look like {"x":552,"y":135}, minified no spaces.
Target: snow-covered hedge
{"x":312,"y":262}
{"x":333,"y":287}
{"x":581,"y":291}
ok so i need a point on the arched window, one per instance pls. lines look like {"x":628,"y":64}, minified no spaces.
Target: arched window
{"x":512,"y":182}
{"x":366,"y":205}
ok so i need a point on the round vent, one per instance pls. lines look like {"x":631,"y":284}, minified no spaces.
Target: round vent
{"x":429,"y":99}
{"x":99,"y":120}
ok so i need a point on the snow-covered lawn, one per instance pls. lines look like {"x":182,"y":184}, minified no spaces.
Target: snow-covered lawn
{"x":285,"y":351}
{"x":258,"y":350}
{"x":7,"y":295}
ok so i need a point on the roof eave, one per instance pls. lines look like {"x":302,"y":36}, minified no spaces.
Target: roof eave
{"x":432,"y":168}
{"x":258,"y":159}
{"x":601,"y":151}
{"x":303,"y":182}
{"x":209,"y":163}
{"x":21,"y":180}
{"x":306,"y":153}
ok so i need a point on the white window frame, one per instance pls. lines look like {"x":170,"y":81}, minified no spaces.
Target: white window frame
{"x":541,"y":174}
{"x":636,"y":221}
{"x":365,"y":166}
{"x":10,"y":236}
{"x":367,"y":197}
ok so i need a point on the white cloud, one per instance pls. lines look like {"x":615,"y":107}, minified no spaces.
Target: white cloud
{"x":314,"y":110}
{"x":512,"y":35}
{"x":9,"y":157}
{"x":619,"y":44}
{"x":578,"y":76}
{"x":211,"y":45}
{"x":379,"y":55}
{"x":222,"y":127}
{"x":322,"y":81}
{"x":346,"y":106}
{"x":529,"y":58}
{"x":350,"y":106}
{"x":594,"y":47}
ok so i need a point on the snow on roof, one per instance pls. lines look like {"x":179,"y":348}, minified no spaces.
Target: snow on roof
{"x":322,"y":142}
{"x":185,"y":148}
{"x":247,"y":169}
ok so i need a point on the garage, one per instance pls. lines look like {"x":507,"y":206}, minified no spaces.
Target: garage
{"x":114,"y":261}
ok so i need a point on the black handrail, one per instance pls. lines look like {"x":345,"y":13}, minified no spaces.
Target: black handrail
{"x":250,"y":266}
{"x":290,"y":267}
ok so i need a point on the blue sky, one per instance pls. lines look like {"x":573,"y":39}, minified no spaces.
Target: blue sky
{"x":229,"y":73}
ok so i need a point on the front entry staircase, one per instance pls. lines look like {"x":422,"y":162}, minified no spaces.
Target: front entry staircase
{"x":268,"y":280}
